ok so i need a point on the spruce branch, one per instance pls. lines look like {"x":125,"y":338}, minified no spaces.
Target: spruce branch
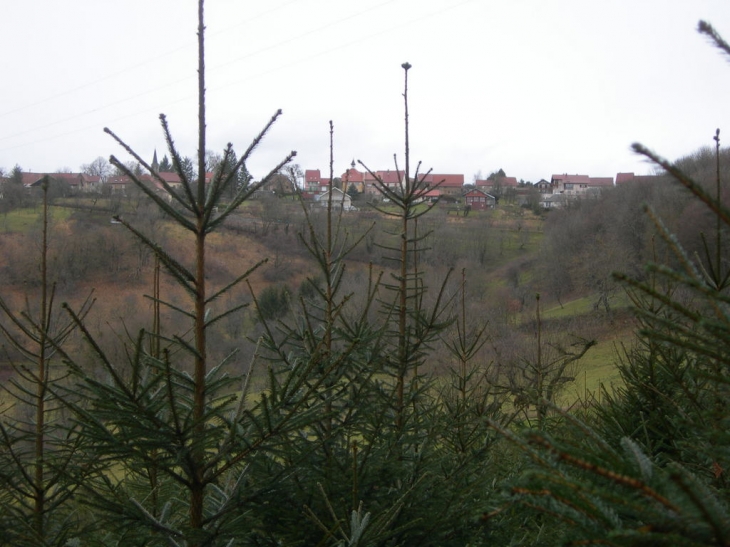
{"x":716,"y":207}
{"x":190,"y":205}
{"x":714,"y":37}
{"x":161,"y":203}
{"x":184,"y":276}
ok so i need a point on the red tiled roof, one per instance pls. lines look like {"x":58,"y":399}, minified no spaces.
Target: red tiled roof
{"x":312,"y":175}
{"x":30,"y":178}
{"x":367,"y":177}
{"x":352,"y":175}
{"x":390,"y":177}
{"x":448,"y":181}
{"x":477,"y":192}
{"x":575,"y":179}
{"x":426,"y":179}
{"x":73,"y":179}
{"x":171,"y":178}
{"x":505,"y":182}
{"x":623,"y":177}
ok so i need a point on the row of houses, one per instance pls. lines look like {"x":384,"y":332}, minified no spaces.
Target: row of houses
{"x":121,"y":184}
{"x":75,"y":181}
{"x":563,"y":188}
{"x":483,"y":193}
{"x":116,"y":184}
{"x":367,"y":182}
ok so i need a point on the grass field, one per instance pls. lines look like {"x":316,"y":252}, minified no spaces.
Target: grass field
{"x":584,"y":305}
{"x":22,"y":220}
{"x":596,"y":370}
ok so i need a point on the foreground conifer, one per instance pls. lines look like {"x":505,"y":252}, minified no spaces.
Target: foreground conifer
{"x":38,"y":446}
{"x":652,"y":470}
{"x":169,"y":434}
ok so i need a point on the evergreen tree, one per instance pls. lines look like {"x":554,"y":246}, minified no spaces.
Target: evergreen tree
{"x":171,"y":435}
{"x":187,"y":166}
{"x":228,"y":165}
{"x":14,"y":194}
{"x":165,"y":165}
{"x":38,"y":445}
{"x":353,"y":192}
{"x":385,"y":464}
{"x":16,"y":175}
{"x":653,"y":471}
{"x":495,"y":175}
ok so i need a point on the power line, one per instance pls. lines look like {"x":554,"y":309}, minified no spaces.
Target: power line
{"x":303,"y":35}
{"x":130,"y":68}
{"x":217,"y":67}
{"x":348,"y":44}
{"x":188,"y":78}
{"x":94,"y":110}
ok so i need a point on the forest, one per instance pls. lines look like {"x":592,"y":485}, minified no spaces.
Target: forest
{"x":216,"y":367}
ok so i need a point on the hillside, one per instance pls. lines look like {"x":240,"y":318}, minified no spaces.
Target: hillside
{"x":500,"y":251}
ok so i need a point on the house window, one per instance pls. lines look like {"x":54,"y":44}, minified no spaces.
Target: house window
{"x":568,"y":186}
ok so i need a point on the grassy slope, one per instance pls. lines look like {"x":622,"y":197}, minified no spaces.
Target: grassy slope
{"x":21,"y":220}
{"x":235,"y":254}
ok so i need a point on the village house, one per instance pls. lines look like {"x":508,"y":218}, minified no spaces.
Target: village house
{"x":432,"y":196}
{"x":352,"y":178}
{"x":497,"y":184}
{"x":552,"y":201}
{"x":278,"y":184}
{"x":339,"y":199}
{"x":314,"y":183}
{"x":370,"y":183}
{"x":479,"y":200}
{"x":120,"y":184}
{"x":579,"y":185}
{"x":172,"y":180}
{"x":391,"y":179}
{"x":544,"y":186}
{"x":449,"y":185}
{"x":569,"y":185}
{"x":76,"y":182}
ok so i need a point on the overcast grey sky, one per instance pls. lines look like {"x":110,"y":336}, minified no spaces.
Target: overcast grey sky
{"x":535,"y":87}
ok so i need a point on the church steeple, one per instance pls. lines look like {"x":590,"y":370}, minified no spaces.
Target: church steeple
{"x":155,"y":164}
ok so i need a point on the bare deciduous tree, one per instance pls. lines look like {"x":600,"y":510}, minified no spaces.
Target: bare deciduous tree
{"x":100,"y":167}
